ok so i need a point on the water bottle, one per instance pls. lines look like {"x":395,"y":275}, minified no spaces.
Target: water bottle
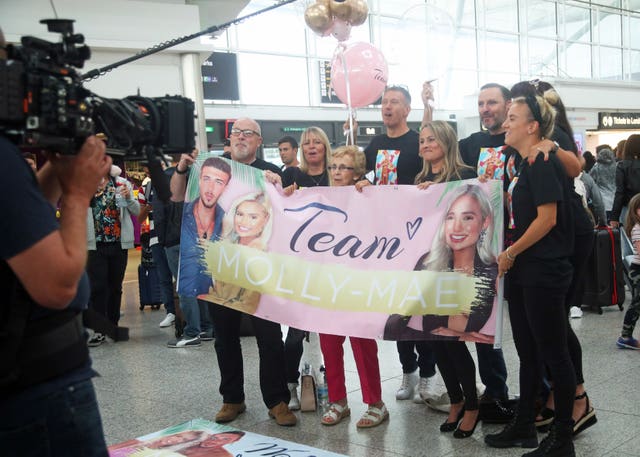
{"x":323,"y":390}
{"x":121,"y":202}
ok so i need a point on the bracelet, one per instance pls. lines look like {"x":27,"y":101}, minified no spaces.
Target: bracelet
{"x":182,"y":172}
{"x":506,"y":252}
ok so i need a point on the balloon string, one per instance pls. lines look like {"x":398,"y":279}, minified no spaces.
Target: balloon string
{"x":348,"y":86}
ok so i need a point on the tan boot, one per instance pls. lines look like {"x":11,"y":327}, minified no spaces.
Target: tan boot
{"x":229,"y":412}
{"x":283,"y":415}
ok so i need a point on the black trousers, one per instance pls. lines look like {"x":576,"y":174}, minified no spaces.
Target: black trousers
{"x":273,"y":384}
{"x":539,"y":325}
{"x":293,"y":350}
{"x":458,"y":372}
{"x":105,"y":267}
{"x":579,"y":261}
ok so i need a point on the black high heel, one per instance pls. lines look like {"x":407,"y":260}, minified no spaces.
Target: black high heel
{"x":588,"y":418}
{"x":447,"y":427}
{"x":459,"y":433}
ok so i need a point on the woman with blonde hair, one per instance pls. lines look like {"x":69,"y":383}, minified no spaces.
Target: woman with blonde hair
{"x":312,"y":171}
{"x":540,"y":272}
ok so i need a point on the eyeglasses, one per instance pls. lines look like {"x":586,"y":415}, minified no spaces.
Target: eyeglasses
{"x":246,"y":132}
{"x":340,"y":168}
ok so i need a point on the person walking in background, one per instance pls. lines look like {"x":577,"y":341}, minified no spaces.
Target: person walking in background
{"x":109,"y":237}
{"x":627,"y":179}
{"x":632,"y":229}
{"x":604,"y":175}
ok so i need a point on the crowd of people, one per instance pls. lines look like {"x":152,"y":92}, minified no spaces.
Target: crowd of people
{"x":552,"y":204}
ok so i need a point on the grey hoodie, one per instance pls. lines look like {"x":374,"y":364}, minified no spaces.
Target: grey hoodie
{"x":604,"y":174}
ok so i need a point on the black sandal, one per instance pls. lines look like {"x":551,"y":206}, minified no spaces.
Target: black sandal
{"x":587,"y":419}
{"x":547,"y":415}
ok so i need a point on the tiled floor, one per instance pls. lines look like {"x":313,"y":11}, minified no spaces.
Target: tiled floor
{"x":146,"y":386}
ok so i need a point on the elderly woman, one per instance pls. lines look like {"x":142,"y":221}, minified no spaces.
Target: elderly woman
{"x":347,"y":165}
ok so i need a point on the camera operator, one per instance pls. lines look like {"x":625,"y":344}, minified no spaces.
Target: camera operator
{"x":47,"y":399}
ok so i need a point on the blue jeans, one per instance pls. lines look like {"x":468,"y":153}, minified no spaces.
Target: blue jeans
{"x":493,"y":371}
{"x":195,"y":312}
{"x":165,"y":275}
{"x":425,"y":360}
{"x":66,"y":422}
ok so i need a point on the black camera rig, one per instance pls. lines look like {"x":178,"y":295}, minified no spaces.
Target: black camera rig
{"x":43,"y":104}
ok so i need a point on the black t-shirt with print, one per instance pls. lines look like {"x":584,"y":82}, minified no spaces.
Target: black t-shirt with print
{"x":474,"y":144}
{"x":546,"y":263}
{"x":394,"y":160}
{"x":294,"y":175}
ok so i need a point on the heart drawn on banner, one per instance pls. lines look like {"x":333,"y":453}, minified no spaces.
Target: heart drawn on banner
{"x":412,"y":227}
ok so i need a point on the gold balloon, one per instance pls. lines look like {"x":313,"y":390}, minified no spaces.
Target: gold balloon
{"x":318,"y":18}
{"x":359,"y":12}
{"x":326,"y":3}
{"x":341,"y":9}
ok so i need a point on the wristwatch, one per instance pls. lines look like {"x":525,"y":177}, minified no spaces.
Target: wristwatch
{"x":555,"y":147}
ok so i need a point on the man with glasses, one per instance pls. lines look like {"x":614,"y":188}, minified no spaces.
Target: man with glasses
{"x":246,"y":137}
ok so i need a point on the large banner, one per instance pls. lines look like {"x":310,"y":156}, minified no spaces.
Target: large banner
{"x":392,"y":262}
{"x":201,"y":438}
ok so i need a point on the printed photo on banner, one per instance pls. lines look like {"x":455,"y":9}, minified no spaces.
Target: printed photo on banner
{"x":202,"y":438}
{"x":392,"y":262}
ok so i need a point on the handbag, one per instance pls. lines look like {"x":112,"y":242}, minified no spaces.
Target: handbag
{"x":308,"y":390}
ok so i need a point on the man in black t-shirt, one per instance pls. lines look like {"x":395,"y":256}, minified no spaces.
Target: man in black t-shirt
{"x":246,"y":137}
{"x":485,"y":150}
{"x":487,"y":153}
{"x":393,"y":156}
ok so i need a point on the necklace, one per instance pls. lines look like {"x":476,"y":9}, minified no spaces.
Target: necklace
{"x":318,"y":178}
{"x":205,"y":234}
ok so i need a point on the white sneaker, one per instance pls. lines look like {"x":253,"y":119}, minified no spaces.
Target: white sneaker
{"x":294,"y":403}
{"x":575,"y":312}
{"x":168,"y":320}
{"x":427,"y":389}
{"x":409,"y":381}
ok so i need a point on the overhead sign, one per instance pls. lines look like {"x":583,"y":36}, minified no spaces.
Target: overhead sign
{"x":618,"y":121}
{"x":220,"y":77}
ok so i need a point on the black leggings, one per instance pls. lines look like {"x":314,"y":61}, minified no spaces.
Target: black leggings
{"x":457,"y":369}
{"x":579,"y":261}
{"x":539,"y":324}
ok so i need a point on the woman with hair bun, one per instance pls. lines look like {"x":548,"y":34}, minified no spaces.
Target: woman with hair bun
{"x":539,"y":273}
{"x":583,"y":412}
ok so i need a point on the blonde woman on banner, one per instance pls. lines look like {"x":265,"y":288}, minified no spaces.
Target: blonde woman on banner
{"x":248,"y":223}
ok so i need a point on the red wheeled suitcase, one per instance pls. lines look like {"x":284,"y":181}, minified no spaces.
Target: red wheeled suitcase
{"x":604,"y":282}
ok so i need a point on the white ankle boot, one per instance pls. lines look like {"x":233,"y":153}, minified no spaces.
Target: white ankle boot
{"x":294,"y":403}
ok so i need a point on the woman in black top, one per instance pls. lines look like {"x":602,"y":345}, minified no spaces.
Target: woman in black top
{"x":312,"y":171}
{"x":466,"y":220}
{"x":584,"y":414}
{"x":540,"y":273}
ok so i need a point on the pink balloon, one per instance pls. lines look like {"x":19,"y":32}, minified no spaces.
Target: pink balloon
{"x":366,"y":70}
{"x":341,"y":29}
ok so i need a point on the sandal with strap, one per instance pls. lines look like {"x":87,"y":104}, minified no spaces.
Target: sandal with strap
{"x":587,"y":419}
{"x":335,"y":414}
{"x":373,"y":417}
